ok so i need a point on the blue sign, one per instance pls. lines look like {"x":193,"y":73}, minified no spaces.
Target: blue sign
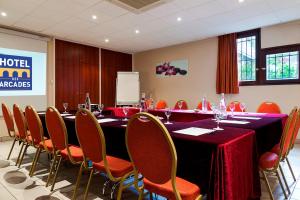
{"x":15,"y":72}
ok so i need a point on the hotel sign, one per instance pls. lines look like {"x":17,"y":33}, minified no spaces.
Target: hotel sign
{"x":15,"y":72}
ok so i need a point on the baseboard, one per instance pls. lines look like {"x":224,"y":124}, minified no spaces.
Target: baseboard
{"x":5,"y":138}
{"x":297,"y":141}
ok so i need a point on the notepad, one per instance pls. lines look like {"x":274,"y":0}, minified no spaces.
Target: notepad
{"x":70,"y":117}
{"x":243,"y":117}
{"x":106,"y":120}
{"x":65,"y":114}
{"x":194,"y":131}
{"x":234,"y":122}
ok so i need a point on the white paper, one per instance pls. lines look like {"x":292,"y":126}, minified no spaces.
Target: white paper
{"x":234,"y":122}
{"x":106,"y":120}
{"x":194,"y":131}
{"x":244,"y":117}
{"x":65,"y":114}
{"x":70,"y":117}
{"x":41,"y":113}
{"x":125,"y":125}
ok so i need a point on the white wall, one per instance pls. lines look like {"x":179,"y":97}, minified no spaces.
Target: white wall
{"x":201,"y":78}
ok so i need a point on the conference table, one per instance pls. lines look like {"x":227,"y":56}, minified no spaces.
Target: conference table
{"x":224,"y":164}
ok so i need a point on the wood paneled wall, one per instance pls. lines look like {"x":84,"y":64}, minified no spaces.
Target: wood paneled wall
{"x":111,"y":63}
{"x":76,"y":73}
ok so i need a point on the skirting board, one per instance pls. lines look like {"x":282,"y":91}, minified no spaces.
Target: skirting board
{"x":5,"y":138}
{"x":297,"y":141}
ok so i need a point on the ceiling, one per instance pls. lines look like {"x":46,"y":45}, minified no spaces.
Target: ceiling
{"x":158,"y":27}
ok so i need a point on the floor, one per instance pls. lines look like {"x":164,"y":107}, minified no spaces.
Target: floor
{"x":15,"y":183}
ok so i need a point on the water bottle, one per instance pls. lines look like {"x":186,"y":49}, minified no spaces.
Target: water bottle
{"x":143,"y":102}
{"x":151,"y":102}
{"x":88,"y":102}
{"x":204,"y":104}
{"x":223,"y":106}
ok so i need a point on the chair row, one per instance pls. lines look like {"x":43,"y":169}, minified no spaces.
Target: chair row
{"x":270,"y":161}
{"x":264,"y":107}
{"x":91,"y":155}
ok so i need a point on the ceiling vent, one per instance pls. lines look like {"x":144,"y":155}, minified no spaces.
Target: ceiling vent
{"x":138,"y":6}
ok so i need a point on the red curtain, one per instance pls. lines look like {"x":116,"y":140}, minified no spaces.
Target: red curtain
{"x":227,"y":71}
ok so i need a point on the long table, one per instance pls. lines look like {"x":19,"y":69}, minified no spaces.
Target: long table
{"x":223,"y":163}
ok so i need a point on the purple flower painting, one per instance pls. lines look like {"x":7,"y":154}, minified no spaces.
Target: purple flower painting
{"x":172,"y":68}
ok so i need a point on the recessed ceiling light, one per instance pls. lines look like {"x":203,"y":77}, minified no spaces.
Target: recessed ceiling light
{"x":179,"y":19}
{"x":3,"y":14}
{"x":137,"y":31}
{"x":241,"y":1}
{"x":106,"y":40}
{"x":94,"y":17}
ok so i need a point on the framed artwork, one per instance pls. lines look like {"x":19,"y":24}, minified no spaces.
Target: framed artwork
{"x":172,"y":68}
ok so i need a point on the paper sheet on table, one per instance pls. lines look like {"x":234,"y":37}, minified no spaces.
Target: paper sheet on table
{"x":65,"y":114}
{"x":244,"y":117}
{"x":70,"y":117}
{"x":234,"y":122}
{"x":41,"y":113}
{"x":125,"y":125}
{"x":106,"y":120}
{"x":194,"y":131}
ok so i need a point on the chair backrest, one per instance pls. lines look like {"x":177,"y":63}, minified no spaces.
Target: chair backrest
{"x":90,"y":136}
{"x":20,"y":121}
{"x":184,"y":105}
{"x":296,"y":131}
{"x":288,"y":133}
{"x":237,"y":107}
{"x":268,"y":107}
{"x":161,"y":104}
{"x":199,"y":106}
{"x":9,"y":121}
{"x":34,"y":125}
{"x":56,"y":128}
{"x":151,"y":148}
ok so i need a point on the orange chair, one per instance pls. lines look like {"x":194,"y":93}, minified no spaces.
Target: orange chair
{"x":92,"y":142}
{"x":58,"y":133}
{"x":8,"y":118}
{"x":237,"y":106}
{"x":276,"y":148}
{"x":36,"y":139}
{"x":157,"y":165}
{"x":270,"y":162}
{"x":23,"y":132}
{"x":268,"y":107}
{"x":161,"y":104}
{"x":184,"y":105}
{"x":199,"y":106}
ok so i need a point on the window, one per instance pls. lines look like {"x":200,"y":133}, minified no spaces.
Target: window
{"x":280,"y":65}
{"x":275,"y":65}
{"x":247,"y":54}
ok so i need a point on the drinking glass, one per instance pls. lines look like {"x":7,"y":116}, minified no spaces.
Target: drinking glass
{"x":100,"y":109}
{"x":168,"y":114}
{"x":232,"y":107}
{"x":125,"y":111}
{"x":213,"y":108}
{"x":242,"y":106}
{"x":65,"y":105}
{"x":179,"y":105}
{"x":218,"y":116}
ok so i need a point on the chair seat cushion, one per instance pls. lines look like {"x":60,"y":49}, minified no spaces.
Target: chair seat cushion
{"x":48,"y":144}
{"x":76,"y":153}
{"x":29,"y":140}
{"x":118,"y":167}
{"x":268,"y":160}
{"x":187,"y":190}
{"x":276,"y":149}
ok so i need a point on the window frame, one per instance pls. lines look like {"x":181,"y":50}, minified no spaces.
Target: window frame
{"x":275,"y":50}
{"x":256,"y":33}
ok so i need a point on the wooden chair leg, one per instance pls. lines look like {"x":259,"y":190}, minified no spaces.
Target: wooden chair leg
{"x":51,"y":169}
{"x":268,"y":185}
{"x":21,"y":160}
{"x":284,"y":179}
{"x":290,"y":167}
{"x":12,"y":146}
{"x":88,"y":185}
{"x":281,"y":185}
{"x":21,"y":150}
{"x":78,"y":181}
{"x":56,"y":172}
